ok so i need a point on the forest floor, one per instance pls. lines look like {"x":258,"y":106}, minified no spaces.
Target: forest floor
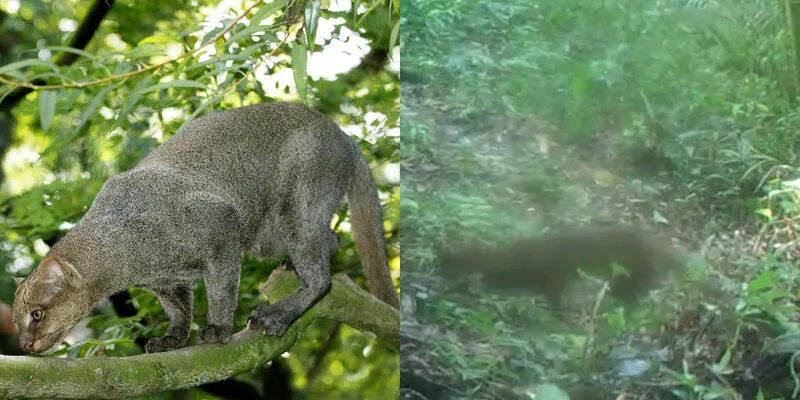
{"x":511,"y":176}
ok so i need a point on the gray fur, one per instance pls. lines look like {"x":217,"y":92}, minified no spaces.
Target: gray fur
{"x":265,"y":178}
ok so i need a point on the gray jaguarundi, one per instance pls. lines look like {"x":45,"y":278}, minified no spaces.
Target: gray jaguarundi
{"x":265,"y":178}
{"x":547,"y":265}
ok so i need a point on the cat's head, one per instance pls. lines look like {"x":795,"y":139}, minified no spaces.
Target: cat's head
{"x":48,"y":303}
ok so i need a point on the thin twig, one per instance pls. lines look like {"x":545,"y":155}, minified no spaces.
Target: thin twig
{"x":592,"y":327}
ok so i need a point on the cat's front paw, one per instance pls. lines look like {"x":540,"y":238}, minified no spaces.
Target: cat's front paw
{"x":164,"y":343}
{"x":269,"y":319}
{"x":215,"y":334}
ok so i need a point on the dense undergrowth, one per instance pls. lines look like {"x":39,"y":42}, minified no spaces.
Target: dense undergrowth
{"x":521,"y":117}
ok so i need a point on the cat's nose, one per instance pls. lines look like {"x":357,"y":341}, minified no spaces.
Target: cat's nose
{"x":27,"y":346}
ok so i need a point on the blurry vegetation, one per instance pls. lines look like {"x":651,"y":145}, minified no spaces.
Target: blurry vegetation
{"x":134,"y":73}
{"x":681,"y":116}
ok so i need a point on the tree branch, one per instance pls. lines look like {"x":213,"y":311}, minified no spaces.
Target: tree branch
{"x":353,"y":306}
{"x":99,"y":377}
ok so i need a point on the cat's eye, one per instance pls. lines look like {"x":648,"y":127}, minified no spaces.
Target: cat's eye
{"x":36,"y":315}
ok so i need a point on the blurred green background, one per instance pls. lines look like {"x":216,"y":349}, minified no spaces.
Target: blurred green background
{"x":100,"y":117}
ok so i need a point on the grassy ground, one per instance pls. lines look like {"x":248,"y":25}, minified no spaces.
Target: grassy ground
{"x":462,"y":181}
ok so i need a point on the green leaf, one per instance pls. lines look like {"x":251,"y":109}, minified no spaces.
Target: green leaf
{"x":170,"y":85}
{"x":394,"y":35}
{"x":199,"y":109}
{"x":14,"y":66}
{"x":369,"y":10}
{"x":356,"y":6}
{"x":47,"y":108}
{"x":133,"y":98}
{"x":617,"y":269}
{"x":249,"y":50}
{"x":215,"y":60}
{"x":145,"y":50}
{"x":722,"y":366}
{"x":266,"y":10}
{"x":659,"y":218}
{"x":247,"y":32}
{"x":299,"y":68}
{"x":211,"y":34}
{"x":72,"y":50}
{"x":765,"y":212}
{"x":92,"y":108}
{"x":786,"y":343}
{"x":43,"y":75}
{"x":123,"y":68}
{"x":762,"y":281}
{"x":156,"y":39}
{"x":312,"y":13}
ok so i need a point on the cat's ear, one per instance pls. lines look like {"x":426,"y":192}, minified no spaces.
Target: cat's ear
{"x":58,"y":272}
{"x":57,"y":276}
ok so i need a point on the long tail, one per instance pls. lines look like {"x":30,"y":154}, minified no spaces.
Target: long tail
{"x":366,"y":217}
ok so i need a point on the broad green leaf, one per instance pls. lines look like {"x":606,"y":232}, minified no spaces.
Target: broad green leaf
{"x":299,"y":68}
{"x":312,"y":13}
{"x":170,"y":85}
{"x":762,"y":281}
{"x":765,"y":212}
{"x":47,"y":108}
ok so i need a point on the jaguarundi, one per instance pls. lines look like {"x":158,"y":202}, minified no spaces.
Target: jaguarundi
{"x":265,"y":178}
{"x":547,"y":265}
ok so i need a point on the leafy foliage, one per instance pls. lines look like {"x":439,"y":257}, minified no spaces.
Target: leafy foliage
{"x":138,"y":82}
{"x":521,"y":117}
